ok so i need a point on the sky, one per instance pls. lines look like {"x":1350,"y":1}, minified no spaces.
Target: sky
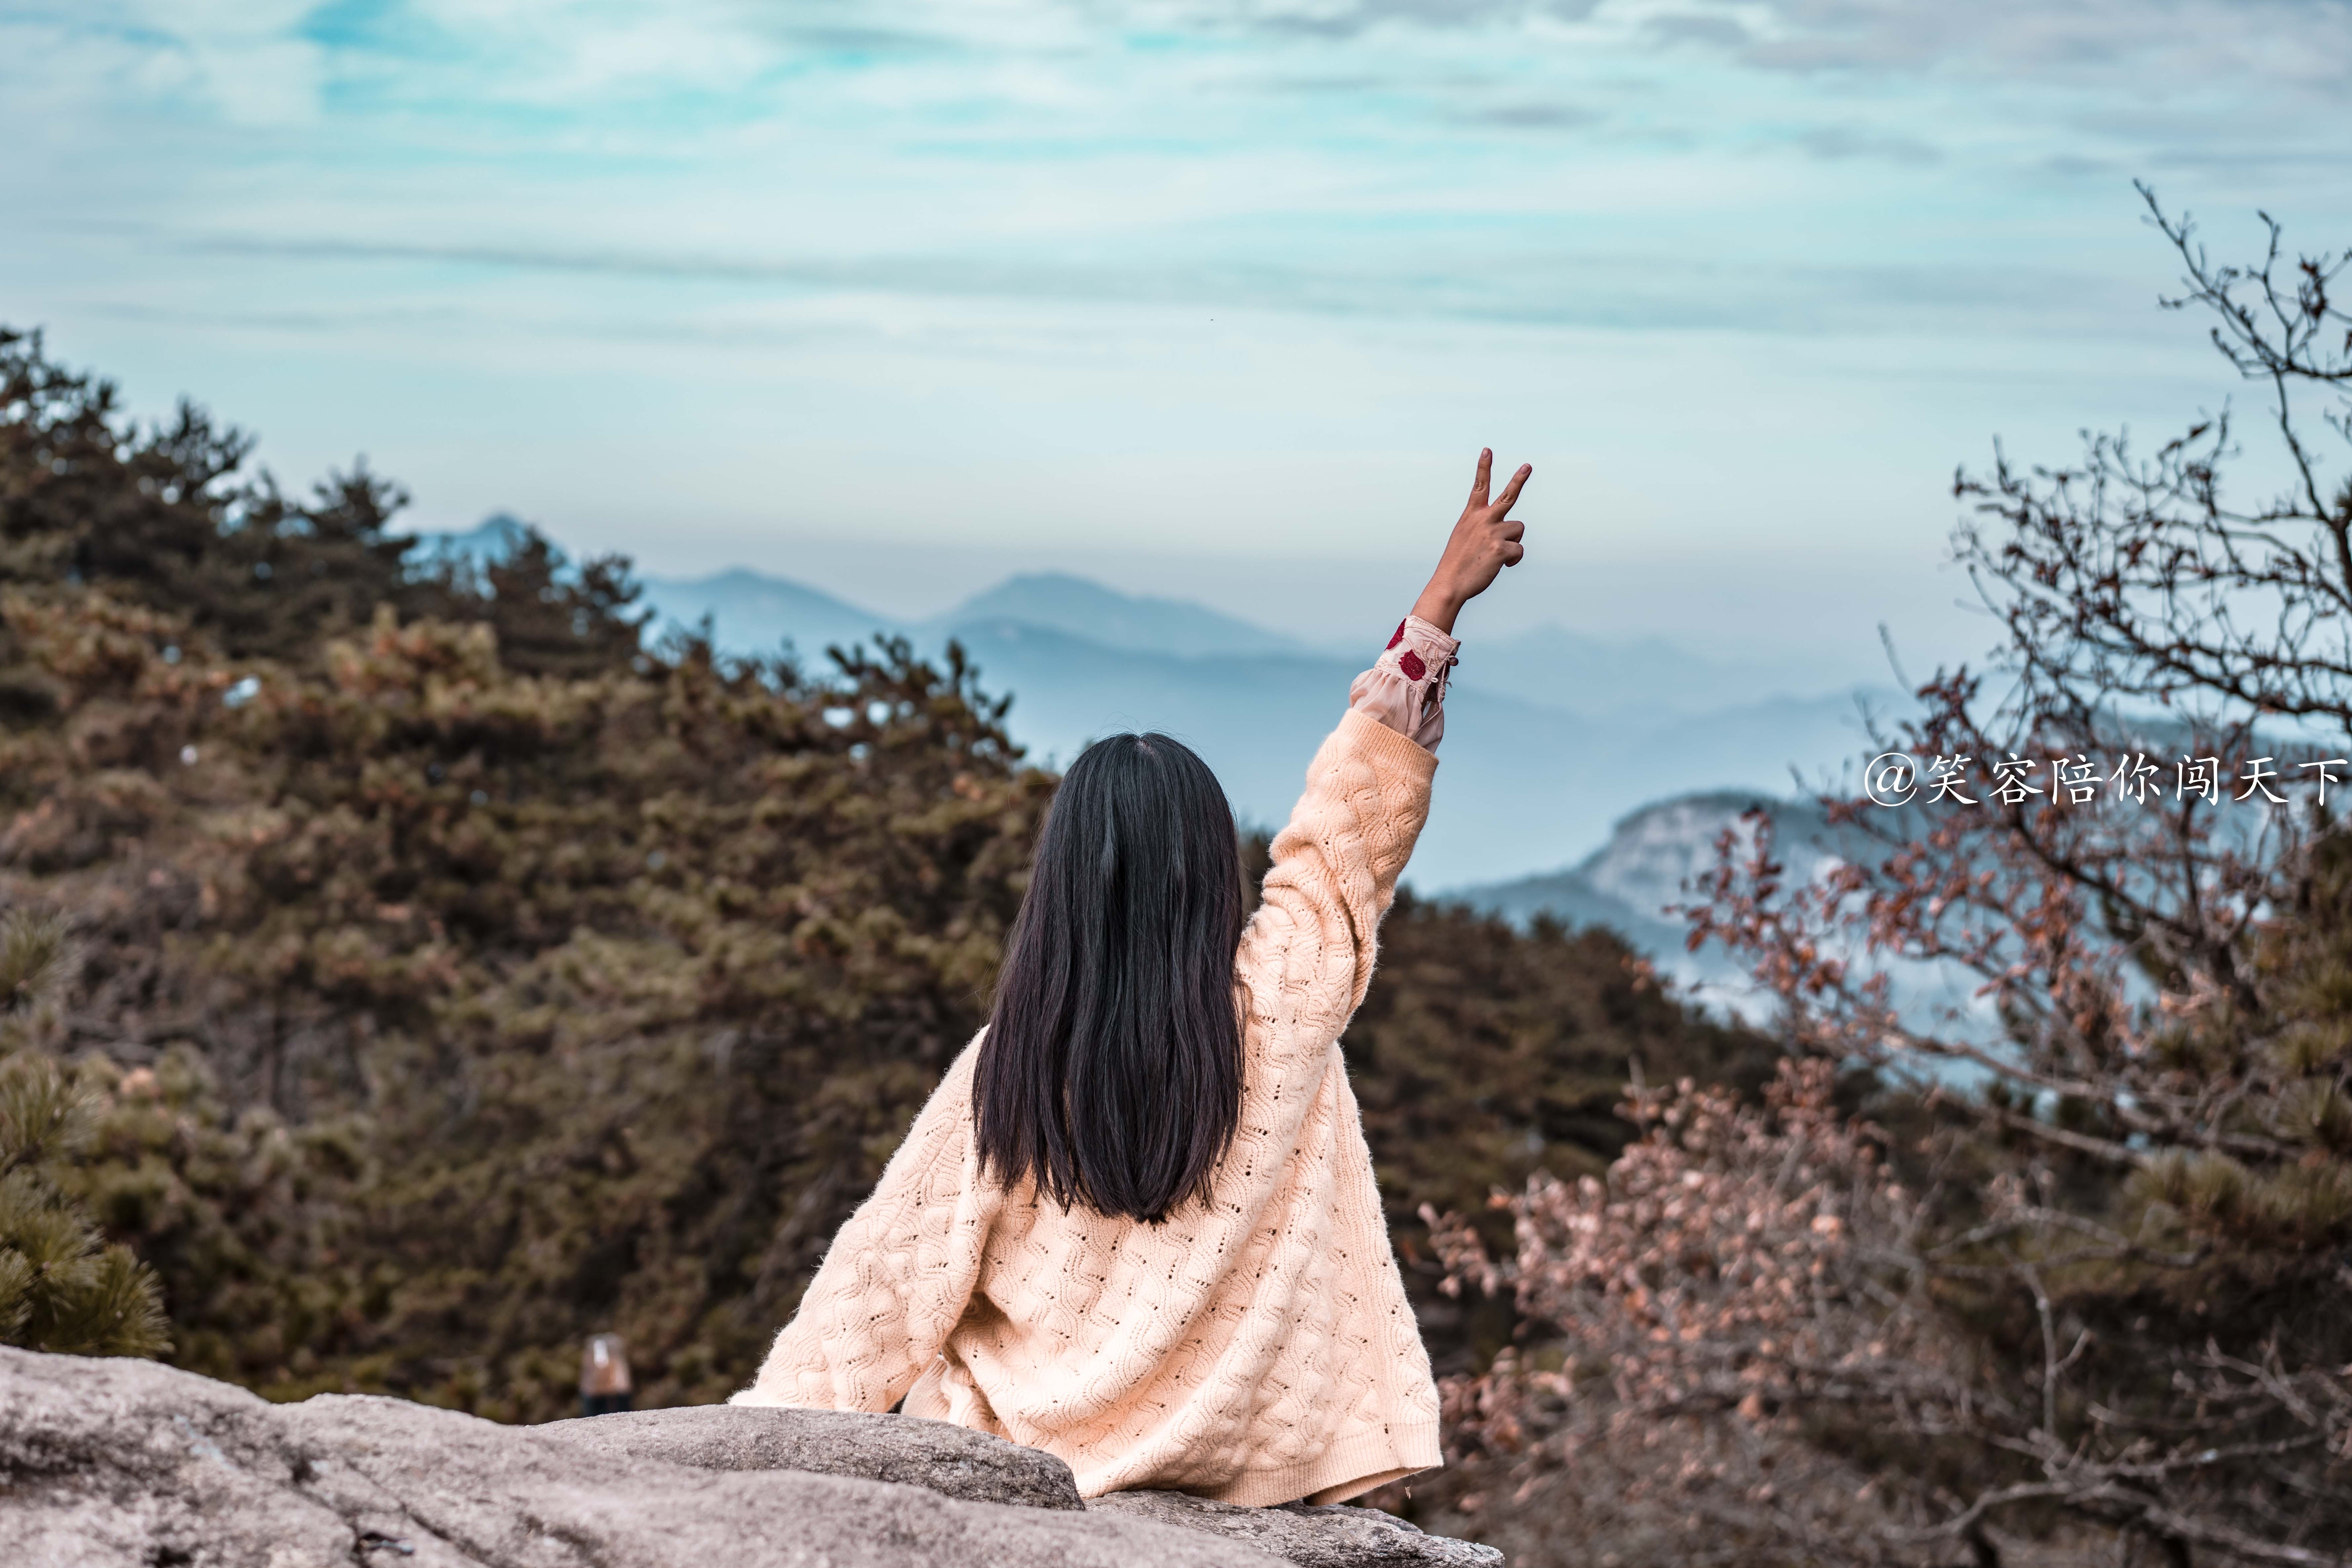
{"x":1210,"y":298}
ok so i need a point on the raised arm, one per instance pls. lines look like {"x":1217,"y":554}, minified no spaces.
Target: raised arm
{"x":1405,"y":688}
{"x":1307,"y":951}
{"x":1312,"y":942}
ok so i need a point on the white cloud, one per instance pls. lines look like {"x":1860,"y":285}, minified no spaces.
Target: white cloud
{"x":2164,"y":46}
{"x":244,"y":61}
{"x":1340,"y":18}
{"x":2167,"y":46}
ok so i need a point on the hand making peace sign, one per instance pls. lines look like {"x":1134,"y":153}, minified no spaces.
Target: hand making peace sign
{"x":1484,"y":541}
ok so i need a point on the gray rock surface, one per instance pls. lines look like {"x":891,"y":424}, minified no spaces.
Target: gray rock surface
{"x":126,"y":1464}
{"x":935,"y":1455}
{"x":1307,"y":1536}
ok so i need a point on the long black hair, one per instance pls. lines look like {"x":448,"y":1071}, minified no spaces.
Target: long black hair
{"x":1112,"y":1067}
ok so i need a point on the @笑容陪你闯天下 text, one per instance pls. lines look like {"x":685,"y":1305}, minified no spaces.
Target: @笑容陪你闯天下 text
{"x":1896,"y":778}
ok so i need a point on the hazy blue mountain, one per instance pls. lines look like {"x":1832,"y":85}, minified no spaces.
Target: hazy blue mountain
{"x":1055,"y":601}
{"x":754,"y":613}
{"x":1255,"y":720}
{"x":1560,"y":669}
{"x":1518,"y":785}
{"x":1551,"y":738}
{"x":750,"y":611}
{"x":1646,"y":867}
{"x":493,"y":539}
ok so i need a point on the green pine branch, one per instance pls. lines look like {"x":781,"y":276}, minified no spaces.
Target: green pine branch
{"x":62,"y":1288}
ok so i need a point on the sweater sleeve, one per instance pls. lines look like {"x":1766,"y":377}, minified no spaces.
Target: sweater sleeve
{"x":1307,"y":956}
{"x":896,"y":1277}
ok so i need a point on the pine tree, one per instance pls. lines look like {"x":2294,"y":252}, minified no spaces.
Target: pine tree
{"x":61,"y":1287}
{"x":173,"y":517}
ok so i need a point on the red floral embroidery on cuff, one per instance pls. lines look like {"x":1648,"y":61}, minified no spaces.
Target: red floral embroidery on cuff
{"x":1399,"y":635}
{"x":1410,"y":662}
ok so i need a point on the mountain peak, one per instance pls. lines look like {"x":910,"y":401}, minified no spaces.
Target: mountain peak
{"x":492,"y":540}
{"x":1059,"y":601}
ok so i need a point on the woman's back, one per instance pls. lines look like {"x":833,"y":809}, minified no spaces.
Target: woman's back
{"x":1112,"y":1069}
{"x":1254,"y":1344}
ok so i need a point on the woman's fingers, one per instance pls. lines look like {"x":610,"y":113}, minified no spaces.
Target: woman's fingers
{"x":1487,"y":537}
{"x":1508,"y":532}
{"x":1511,"y":491}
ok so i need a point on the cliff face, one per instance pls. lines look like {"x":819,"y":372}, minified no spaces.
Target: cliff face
{"x":126,"y":1464}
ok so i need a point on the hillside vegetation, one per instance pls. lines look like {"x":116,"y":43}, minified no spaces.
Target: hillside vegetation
{"x":448,"y":975}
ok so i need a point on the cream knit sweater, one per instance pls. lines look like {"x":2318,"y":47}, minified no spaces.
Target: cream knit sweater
{"x":1254,"y":1350}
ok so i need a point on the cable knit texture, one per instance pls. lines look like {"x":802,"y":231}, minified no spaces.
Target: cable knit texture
{"x":1256,"y":1349}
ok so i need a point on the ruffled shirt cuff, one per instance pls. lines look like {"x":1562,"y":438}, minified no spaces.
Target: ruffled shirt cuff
{"x":1405,"y":688}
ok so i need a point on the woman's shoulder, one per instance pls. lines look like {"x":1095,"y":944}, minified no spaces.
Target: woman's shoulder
{"x":956,"y":1083}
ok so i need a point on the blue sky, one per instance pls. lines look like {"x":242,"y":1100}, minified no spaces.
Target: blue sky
{"x":1216,"y":299}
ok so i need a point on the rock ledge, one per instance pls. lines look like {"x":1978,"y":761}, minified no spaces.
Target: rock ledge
{"x":1303,"y":1535}
{"x":937,"y":1456}
{"x":126,"y":1464}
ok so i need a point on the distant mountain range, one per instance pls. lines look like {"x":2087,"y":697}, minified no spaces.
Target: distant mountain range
{"x":1548,"y":665}
{"x":1630,"y":882}
{"x":1555,"y":742}
{"x":1550,"y":738}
